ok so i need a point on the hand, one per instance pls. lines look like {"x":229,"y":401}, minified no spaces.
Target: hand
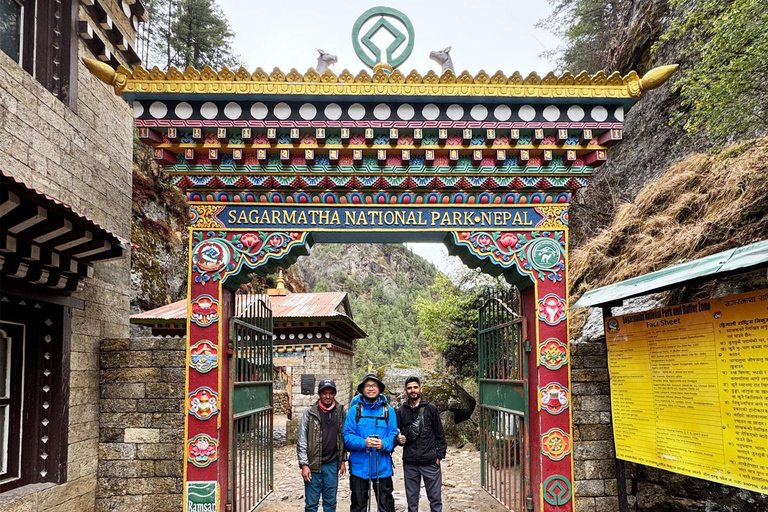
{"x":342,"y":469}
{"x":438,"y":462}
{"x":306,"y":474}
{"x":400,"y":437}
{"x":374,"y":442}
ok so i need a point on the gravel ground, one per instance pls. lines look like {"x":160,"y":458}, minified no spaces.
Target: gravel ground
{"x":461,"y":484}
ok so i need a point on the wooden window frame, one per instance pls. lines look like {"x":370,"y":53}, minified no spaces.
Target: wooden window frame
{"x":38,"y":436}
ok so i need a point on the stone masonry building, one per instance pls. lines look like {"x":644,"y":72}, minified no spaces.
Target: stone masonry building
{"x":65,"y":222}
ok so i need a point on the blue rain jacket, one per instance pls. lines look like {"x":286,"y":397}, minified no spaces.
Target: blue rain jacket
{"x":355,"y":434}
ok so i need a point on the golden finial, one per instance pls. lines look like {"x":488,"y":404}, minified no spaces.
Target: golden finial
{"x":280,"y":280}
{"x":106,"y":74}
{"x":651,"y":80}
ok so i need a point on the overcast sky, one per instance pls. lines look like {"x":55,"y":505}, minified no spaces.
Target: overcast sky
{"x":483,"y":35}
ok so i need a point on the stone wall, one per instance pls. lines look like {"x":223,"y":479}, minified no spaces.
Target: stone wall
{"x":82,"y":158}
{"x":324,"y":362}
{"x":280,"y":401}
{"x":593,"y":448}
{"x":142,"y":424}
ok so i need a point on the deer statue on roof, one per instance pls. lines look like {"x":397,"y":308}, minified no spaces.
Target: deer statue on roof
{"x":325,"y":60}
{"x":443,"y":58}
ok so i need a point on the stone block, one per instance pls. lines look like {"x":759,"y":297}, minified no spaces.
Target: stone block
{"x":589,"y":375}
{"x":121,"y":451}
{"x":84,"y":502}
{"x":172,"y":435}
{"x":175,"y":343}
{"x":112,"y":486}
{"x":169,"y":468}
{"x":584,"y":450}
{"x":169,"y":359}
{"x":588,"y":349}
{"x":590,"y":388}
{"x":141,"y":435}
{"x":584,"y":504}
{"x":166,"y":420}
{"x":111,"y":435}
{"x":123,"y":390}
{"x":165,"y":390}
{"x":595,"y":403}
{"x":173,"y":375}
{"x":11,"y":503}
{"x":123,"y":420}
{"x":153,"y":485}
{"x":126,"y":468}
{"x":595,"y":469}
{"x":595,"y":432}
{"x":162,"y":503}
{"x":144,"y":344}
{"x":590,"y":488}
{"x":82,"y":431}
{"x":133,"y":375}
{"x":159,"y":451}
{"x":607,"y":504}
{"x":585,"y":417}
{"x":58,"y":494}
{"x":595,"y":361}
{"x":161,"y":405}
{"x":116,"y":404}
{"x":605,"y":417}
{"x":128,"y":503}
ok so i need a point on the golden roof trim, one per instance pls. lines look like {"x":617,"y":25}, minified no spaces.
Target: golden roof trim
{"x":210,"y":81}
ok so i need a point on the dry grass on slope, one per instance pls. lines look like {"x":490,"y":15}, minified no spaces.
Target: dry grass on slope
{"x":700,"y":206}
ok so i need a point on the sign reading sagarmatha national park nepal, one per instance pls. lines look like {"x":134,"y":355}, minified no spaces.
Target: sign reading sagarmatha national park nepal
{"x":378,"y":217}
{"x":689,"y":388}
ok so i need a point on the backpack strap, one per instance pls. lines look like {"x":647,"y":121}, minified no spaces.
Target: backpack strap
{"x":359,"y":413}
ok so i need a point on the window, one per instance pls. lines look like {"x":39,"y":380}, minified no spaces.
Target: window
{"x":40,"y":36}
{"x":33,"y":392}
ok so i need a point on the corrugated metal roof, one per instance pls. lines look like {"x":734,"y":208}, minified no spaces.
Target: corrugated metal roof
{"x":739,"y":260}
{"x":293,"y":305}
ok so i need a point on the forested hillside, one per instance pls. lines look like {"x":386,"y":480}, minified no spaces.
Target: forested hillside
{"x":384,"y":282}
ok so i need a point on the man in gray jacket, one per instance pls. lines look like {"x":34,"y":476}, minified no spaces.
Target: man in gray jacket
{"x":321,"y":448}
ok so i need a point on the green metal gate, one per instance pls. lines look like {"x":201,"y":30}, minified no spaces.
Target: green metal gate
{"x":503,"y":373}
{"x":251,"y":477}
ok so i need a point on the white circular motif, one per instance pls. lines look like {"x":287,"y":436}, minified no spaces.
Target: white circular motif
{"x":455,"y":112}
{"x":382,"y":111}
{"x":209,"y":110}
{"x":430,"y":112}
{"x":479,"y":112}
{"x":405,"y":112}
{"x":259,"y":110}
{"x":282,"y":110}
{"x":502,"y":112}
{"x":599,"y":114}
{"x":158,"y":110}
{"x":527,"y":113}
{"x":575,"y":113}
{"x":333,"y":111}
{"x":138,"y":109}
{"x":551,"y":113}
{"x":619,"y":114}
{"x":232,"y":110}
{"x":184,"y":110}
{"x":356,"y":111}
{"x":307,"y":111}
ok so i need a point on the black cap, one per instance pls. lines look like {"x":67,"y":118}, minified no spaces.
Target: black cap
{"x":373,"y":377}
{"x":326,"y":383}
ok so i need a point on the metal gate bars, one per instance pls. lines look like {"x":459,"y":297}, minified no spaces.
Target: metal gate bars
{"x":503,"y":372}
{"x":251,"y":419}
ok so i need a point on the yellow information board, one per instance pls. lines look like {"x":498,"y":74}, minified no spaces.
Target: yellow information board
{"x":689,"y":388}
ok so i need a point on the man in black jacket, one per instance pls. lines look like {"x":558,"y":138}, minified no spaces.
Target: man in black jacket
{"x":423,"y":439}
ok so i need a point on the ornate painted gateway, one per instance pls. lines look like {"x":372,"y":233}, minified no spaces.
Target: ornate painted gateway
{"x":273,"y":162}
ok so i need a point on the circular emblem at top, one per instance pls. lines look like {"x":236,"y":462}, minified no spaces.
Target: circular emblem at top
{"x":210,"y":256}
{"x":396,"y":24}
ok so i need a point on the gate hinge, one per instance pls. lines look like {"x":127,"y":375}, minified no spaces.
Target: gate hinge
{"x":228,"y":507}
{"x":528,"y":503}
{"x":527,"y":346}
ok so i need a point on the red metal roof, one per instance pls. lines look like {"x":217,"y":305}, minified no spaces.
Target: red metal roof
{"x":293,"y":305}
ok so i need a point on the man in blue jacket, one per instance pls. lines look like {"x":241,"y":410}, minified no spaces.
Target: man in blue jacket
{"x":369,"y":434}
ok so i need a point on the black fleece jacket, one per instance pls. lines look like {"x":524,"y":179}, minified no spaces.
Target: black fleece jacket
{"x":425,"y":443}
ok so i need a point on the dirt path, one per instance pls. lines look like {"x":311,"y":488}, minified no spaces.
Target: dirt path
{"x":461,"y":485}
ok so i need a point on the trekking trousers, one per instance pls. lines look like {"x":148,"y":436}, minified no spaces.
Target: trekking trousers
{"x":359,"y":488}
{"x":433,"y":482}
